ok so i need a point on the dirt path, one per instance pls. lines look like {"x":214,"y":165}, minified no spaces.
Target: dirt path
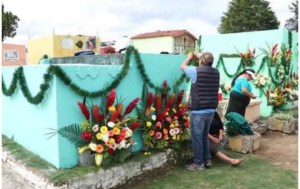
{"x":281,"y":149}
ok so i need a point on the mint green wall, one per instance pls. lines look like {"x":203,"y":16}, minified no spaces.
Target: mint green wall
{"x":226,"y":43}
{"x":28,"y":123}
{"x":154,"y":45}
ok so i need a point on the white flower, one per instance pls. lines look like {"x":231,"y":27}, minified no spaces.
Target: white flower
{"x":111,"y":124}
{"x":227,"y":86}
{"x":127,"y":145}
{"x":153,"y":117}
{"x":92,"y":146}
{"x":105,"y":137}
{"x":95,"y":128}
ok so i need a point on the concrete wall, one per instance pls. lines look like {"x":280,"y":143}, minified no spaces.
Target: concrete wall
{"x":8,"y":55}
{"x":28,"y":123}
{"x":154,"y":45}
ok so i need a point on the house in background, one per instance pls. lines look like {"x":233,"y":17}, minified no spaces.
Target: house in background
{"x":60,"y":46}
{"x":13,"y":55}
{"x":172,"y":41}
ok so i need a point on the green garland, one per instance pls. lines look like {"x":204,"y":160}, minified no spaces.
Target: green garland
{"x":58,"y":71}
{"x":221,"y":61}
{"x":230,"y":56}
{"x":290,"y":36}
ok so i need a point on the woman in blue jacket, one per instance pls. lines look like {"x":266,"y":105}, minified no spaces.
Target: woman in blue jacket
{"x":241,"y":92}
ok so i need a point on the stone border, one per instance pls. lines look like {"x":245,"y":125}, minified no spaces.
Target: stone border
{"x":122,"y":176}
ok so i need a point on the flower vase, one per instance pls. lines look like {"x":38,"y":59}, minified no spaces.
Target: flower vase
{"x":98,"y":159}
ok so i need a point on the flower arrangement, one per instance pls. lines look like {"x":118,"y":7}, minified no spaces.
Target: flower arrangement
{"x":91,"y":43}
{"x":106,"y":131}
{"x":164,"y":119}
{"x":248,"y":57}
{"x":286,"y":57}
{"x":226,"y":87}
{"x":273,"y":55}
{"x":280,"y":73}
{"x":290,"y":94}
{"x":276,"y":97}
{"x":262,"y":80}
{"x":79,"y":44}
{"x":294,"y":81}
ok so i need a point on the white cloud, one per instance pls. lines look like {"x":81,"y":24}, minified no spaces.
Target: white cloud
{"x":114,"y":19}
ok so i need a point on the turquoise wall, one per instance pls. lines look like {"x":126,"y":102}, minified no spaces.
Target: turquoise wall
{"x":27,"y":123}
{"x":60,"y":108}
{"x":228,"y":43}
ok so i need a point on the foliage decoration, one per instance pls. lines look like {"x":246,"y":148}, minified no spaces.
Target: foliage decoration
{"x":79,"y":44}
{"x":286,"y":58}
{"x":221,"y":61}
{"x":60,"y":73}
{"x":272,"y":55}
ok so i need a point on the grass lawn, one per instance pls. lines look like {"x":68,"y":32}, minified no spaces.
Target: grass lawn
{"x":253,"y":173}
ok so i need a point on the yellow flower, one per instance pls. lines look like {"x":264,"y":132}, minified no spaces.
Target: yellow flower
{"x":174,"y":110}
{"x":116,"y":131}
{"x":112,"y":140}
{"x":180,"y":105}
{"x":174,"y":137}
{"x":152,"y":109}
{"x":112,"y":108}
{"x":167,"y":113}
{"x":99,"y":136}
{"x":148,"y":124}
{"x":172,"y":125}
{"x":178,"y":137}
{"x":176,"y":124}
{"x":103,"y":129}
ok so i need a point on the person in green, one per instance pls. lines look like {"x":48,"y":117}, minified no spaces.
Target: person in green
{"x":241,"y":92}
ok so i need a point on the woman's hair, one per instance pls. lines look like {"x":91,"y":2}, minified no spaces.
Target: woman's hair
{"x":244,"y":71}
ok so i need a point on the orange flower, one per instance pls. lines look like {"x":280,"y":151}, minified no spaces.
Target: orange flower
{"x":151,"y":133}
{"x":130,"y":141}
{"x":99,"y":148}
{"x":165,"y":131}
{"x":166,"y":137}
{"x":107,"y":143}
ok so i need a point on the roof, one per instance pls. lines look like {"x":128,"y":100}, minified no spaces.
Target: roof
{"x":172,"y":33}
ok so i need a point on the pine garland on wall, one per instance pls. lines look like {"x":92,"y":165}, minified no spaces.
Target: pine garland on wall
{"x":58,"y":72}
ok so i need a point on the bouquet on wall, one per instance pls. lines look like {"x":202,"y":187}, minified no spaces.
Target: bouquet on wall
{"x":290,"y":94}
{"x":164,"y":119}
{"x":286,"y":57}
{"x":107,"y":130}
{"x":91,"y":43}
{"x":226,"y":87}
{"x":262,"y":80}
{"x":280,"y":74}
{"x":273,"y":55}
{"x":294,"y":80}
{"x":277,"y":97}
{"x":248,"y":57}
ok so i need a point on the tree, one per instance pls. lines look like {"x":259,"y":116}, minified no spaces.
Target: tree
{"x":248,"y":15}
{"x":292,"y":23}
{"x":9,"y":24}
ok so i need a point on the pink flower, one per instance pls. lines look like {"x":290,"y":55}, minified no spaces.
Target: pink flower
{"x":176,"y":130}
{"x":123,"y":129}
{"x":168,"y":119}
{"x":175,"y":117}
{"x":111,"y":133}
{"x":158,"y":135}
{"x":172,"y":132}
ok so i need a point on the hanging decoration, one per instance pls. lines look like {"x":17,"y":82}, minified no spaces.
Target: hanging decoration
{"x":91,"y":43}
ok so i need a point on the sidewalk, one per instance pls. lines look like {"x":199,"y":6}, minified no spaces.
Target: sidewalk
{"x":11,"y":180}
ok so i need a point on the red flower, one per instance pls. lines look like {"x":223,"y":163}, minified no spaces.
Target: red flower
{"x":86,"y":136}
{"x":135,"y":125}
{"x":268,"y":93}
{"x":84,"y":110}
{"x":110,"y":151}
{"x":96,"y":113}
{"x":165,"y":84}
{"x":131,"y":106}
{"x":157,"y":102}
{"x":111,"y":99}
{"x":167,"y":104}
{"x":180,"y":96}
{"x":149,"y":100}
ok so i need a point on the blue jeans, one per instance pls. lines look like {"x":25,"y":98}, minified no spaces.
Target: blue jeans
{"x":200,"y":124}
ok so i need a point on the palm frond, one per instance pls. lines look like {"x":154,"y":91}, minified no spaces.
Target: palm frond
{"x":73,"y":134}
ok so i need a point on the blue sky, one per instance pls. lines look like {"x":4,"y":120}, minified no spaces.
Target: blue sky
{"x":112,"y":19}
